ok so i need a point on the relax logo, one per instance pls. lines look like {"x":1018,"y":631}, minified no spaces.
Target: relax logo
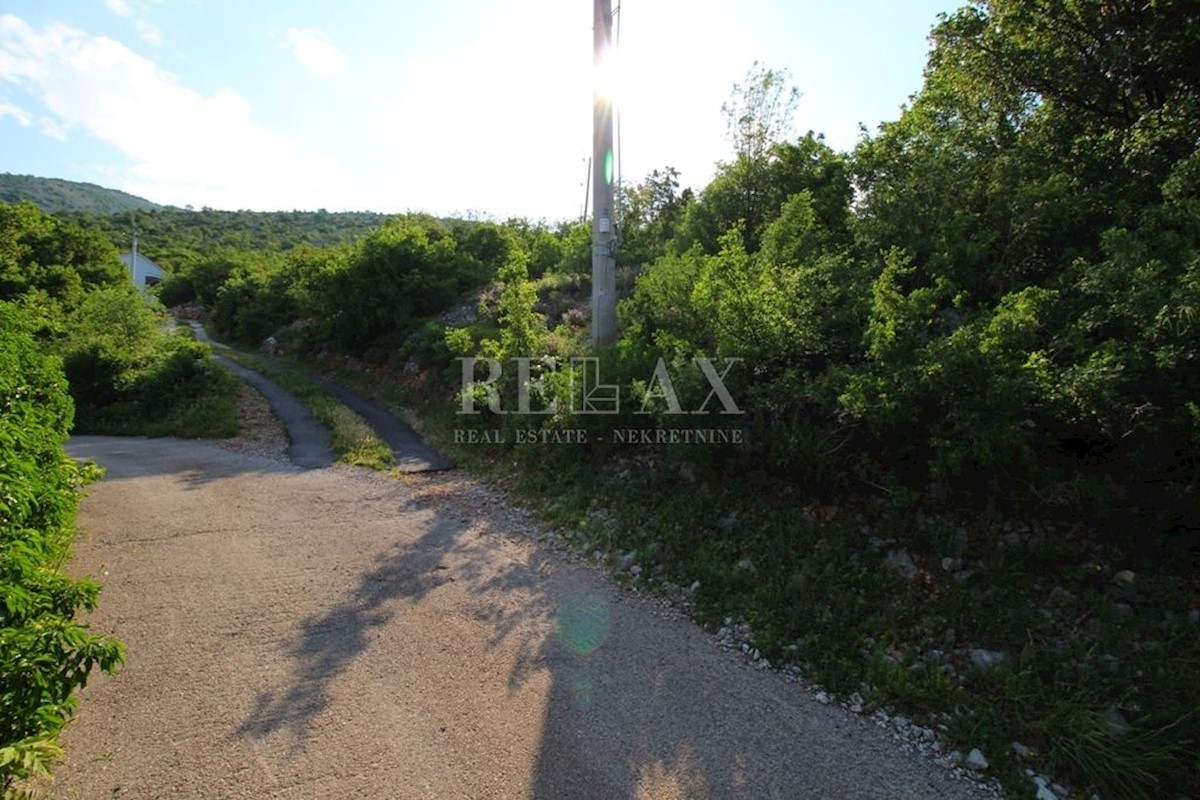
{"x":593,"y":396}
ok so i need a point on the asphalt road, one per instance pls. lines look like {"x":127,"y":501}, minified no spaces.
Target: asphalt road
{"x":335,"y":633}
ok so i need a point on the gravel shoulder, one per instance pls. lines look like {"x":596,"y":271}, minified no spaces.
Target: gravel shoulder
{"x":342,"y":633}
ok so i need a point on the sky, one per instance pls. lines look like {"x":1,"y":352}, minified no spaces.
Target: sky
{"x":452,"y":107}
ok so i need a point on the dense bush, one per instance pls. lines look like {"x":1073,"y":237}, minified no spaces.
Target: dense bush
{"x":45,"y":653}
{"x":129,"y":376}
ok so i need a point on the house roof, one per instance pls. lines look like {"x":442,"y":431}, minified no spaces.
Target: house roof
{"x":142,"y":262}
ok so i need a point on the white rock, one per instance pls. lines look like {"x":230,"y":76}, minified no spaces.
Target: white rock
{"x":1021,"y":750}
{"x":1115,"y":722}
{"x":1125,"y":577}
{"x":822,"y":698}
{"x":1043,"y":789}
{"x":635,"y":570}
{"x":987,"y":659}
{"x":975,"y":760}
{"x":900,"y":562}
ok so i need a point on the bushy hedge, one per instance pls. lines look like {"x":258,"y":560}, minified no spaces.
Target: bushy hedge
{"x":45,"y":653}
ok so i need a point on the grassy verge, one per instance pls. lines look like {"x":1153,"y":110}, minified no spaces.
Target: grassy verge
{"x":353,"y":440}
{"x":1076,"y":647}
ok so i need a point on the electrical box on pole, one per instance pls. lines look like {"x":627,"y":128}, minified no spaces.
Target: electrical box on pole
{"x":604,"y":234}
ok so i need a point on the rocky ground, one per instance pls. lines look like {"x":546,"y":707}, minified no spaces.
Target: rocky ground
{"x":260,"y":433}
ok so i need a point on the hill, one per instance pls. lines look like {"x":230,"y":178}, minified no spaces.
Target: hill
{"x":53,"y":195}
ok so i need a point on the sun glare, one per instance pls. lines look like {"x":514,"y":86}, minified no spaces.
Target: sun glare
{"x":607,"y":75}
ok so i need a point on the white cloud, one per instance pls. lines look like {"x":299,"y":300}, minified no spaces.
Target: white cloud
{"x":23,"y":117}
{"x":137,"y":15}
{"x":52,"y":129}
{"x":313,"y":49}
{"x":119,"y":7}
{"x":149,"y":33}
{"x":183,"y":147}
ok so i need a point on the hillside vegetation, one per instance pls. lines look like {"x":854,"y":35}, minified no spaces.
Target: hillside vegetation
{"x":53,"y":195}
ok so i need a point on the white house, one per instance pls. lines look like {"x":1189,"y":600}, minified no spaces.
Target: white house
{"x":145,"y":272}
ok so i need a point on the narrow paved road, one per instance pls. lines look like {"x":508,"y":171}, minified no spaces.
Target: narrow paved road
{"x":339,"y":633}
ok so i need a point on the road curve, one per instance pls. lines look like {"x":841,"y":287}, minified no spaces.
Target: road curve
{"x":308,"y":441}
{"x":340,"y":633}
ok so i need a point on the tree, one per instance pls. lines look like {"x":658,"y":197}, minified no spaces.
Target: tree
{"x":650,"y":213}
{"x":758,"y":115}
{"x":759,"y":112}
{"x":807,"y":165}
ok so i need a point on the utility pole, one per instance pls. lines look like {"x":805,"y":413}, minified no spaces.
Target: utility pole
{"x":604,"y":243}
{"x":133,"y":255}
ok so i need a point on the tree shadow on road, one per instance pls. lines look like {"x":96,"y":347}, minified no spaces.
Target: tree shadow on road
{"x":160,"y":456}
{"x":635,"y":707}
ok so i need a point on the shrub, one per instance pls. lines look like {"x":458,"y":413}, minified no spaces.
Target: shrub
{"x":45,"y":654}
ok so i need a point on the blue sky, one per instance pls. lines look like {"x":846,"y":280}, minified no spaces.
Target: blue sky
{"x":451,"y":107}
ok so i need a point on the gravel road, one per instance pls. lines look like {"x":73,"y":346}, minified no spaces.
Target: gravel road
{"x":335,"y":633}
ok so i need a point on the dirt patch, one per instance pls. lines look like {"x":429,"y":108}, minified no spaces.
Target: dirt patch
{"x":259,"y":432}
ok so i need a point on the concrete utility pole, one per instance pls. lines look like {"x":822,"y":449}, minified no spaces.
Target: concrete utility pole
{"x":604,"y":243}
{"x":133,"y":255}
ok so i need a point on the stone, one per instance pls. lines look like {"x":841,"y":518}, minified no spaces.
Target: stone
{"x":1043,"y":789}
{"x":987,"y":659}
{"x":635,"y":570}
{"x":1125,"y":577}
{"x":1021,"y":750}
{"x":746,"y":565}
{"x":625,"y":561}
{"x":975,"y":761}
{"x":952,"y":564}
{"x":900,"y":562}
{"x":1115,"y":722}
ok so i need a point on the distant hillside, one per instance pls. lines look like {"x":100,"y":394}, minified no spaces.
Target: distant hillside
{"x":53,"y":195}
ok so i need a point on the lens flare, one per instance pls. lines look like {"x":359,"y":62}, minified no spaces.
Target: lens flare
{"x":583,"y":623}
{"x":582,"y":689}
